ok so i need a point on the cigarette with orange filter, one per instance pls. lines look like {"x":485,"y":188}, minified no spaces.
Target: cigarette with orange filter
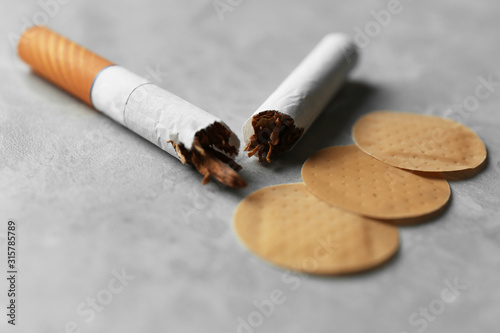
{"x":185,"y":131}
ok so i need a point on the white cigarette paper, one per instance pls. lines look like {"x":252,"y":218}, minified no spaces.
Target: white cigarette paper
{"x":174,"y":125}
{"x":183,"y":130}
{"x":307,"y":90}
{"x":150,"y":111}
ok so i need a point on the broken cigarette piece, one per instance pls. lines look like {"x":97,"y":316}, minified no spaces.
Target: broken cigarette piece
{"x":185,"y":131}
{"x":274,"y":132}
{"x":281,"y":121}
{"x":207,"y":158}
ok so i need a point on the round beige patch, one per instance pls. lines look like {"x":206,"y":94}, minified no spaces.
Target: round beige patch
{"x":346,"y":177}
{"x":419,"y":142}
{"x":289,"y":227}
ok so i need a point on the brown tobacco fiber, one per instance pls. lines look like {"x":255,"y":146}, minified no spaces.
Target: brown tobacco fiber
{"x":206,"y":158}
{"x":275,"y":133}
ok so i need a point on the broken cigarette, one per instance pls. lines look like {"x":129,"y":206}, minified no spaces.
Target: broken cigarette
{"x":183,"y":130}
{"x":280,"y":122}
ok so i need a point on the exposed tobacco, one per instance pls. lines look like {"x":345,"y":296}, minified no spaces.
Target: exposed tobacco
{"x":207,"y":156}
{"x":275,"y":133}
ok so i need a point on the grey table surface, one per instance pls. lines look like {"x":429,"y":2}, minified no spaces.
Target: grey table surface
{"x":93,"y":201}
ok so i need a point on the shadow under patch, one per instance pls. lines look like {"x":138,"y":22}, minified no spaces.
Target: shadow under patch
{"x":424,"y":219}
{"x":466,"y":174}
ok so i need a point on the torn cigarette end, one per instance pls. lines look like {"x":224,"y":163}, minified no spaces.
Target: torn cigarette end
{"x":209,"y":158}
{"x":274,"y":133}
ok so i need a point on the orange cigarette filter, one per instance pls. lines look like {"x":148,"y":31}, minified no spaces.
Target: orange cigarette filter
{"x":66,"y":64}
{"x":176,"y":126}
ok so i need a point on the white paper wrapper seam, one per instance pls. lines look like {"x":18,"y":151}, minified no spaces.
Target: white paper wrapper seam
{"x":150,"y":111}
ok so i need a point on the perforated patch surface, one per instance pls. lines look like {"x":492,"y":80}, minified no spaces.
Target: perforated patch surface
{"x":347,"y":178}
{"x":289,"y":227}
{"x":419,"y":142}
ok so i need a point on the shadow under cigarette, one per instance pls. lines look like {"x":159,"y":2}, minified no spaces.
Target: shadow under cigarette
{"x":47,"y":91}
{"x":339,"y":115}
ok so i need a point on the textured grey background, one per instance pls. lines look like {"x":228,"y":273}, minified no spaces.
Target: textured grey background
{"x":91,"y":197}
